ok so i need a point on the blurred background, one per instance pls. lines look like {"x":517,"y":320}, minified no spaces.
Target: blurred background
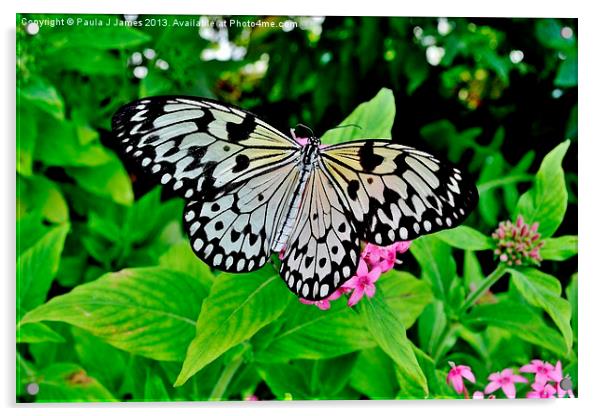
{"x":493,"y":95}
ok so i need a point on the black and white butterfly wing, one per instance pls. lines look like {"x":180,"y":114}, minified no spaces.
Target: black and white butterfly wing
{"x":324,"y":246}
{"x":198,"y":147}
{"x":395,"y":192}
{"x":236,"y":172}
{"x":234,"y":231}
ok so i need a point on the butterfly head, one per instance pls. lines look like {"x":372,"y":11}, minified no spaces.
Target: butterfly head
{"x":305,"y":139}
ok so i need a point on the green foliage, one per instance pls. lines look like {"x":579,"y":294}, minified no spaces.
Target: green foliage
{"x":112,"y":304}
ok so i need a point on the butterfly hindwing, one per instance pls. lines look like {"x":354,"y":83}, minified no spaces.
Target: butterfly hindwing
{"x":234,"y":231}
{"x":396,"y":192}
{"x":323,"y":248}
{"x":196,"y":146}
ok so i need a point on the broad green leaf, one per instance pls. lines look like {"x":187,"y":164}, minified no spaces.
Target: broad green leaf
{"x":286,"y":380}
{"x":375,"y":118}
{"x":567,"y":75}
{"x":68,"y":382}
{"x":466,"y":238}
{"x":432,"y":325}
{"x":237,"y":307}
{"x":154,"y":387}
{"x":60,"y":145}
{"x":436,"y":381}
{"x":37,"y":193}
{"x":405,"y":294}
{"x":473,"y":274}
{"x":374,"y":375}
{"x":489,"y":197}
{"x":572,"y":296}
{"x":544,"y":291}
{"x":94,"y":354}
{"x":108,"y":36}
{"x":546,"y":201}
{"x":181,"y":258}
{"x":560,"y":248}
{"x":389,"y":333}
{"x":36,"y":268}
{"x":328,"y":377}
{"x":37,"y":332}
{"x":43,"y":95}
{"x":147,"y":311}
{"x":548,"y":32}
{"x":27,"y":132}
{"x":436,"y":262}
{"x":88,"y":61}
{"x":109,"y":179}
{"x":520,"y":320}
{"x":310,"y":333}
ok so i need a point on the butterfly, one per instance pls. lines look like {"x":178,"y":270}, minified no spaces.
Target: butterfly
{"x":252,"y":190}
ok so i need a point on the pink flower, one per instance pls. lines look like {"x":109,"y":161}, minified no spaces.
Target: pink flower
{"x":506,"y":380}
{"x":384,"y":257}
{"x":456,"y":374}
{"x":478,"y":395}
{"x":564,"y":385}
{"x":362,"y":283}
{"x":517,"y":243}
{"x":543,"y":371}
{"x":541,"y":391}
{"x":251,"y":398}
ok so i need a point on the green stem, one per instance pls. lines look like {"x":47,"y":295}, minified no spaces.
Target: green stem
{"x":483,"y":287}
{"x":224,"y":379}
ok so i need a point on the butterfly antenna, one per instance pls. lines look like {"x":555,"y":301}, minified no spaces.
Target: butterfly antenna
{"x":303,"y":125}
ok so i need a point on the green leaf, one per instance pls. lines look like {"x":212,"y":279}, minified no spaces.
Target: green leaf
{"x":286,"y":380}
{"x":436,"y":262}
{"x":522,"y":321}
{"x":109,"y":179}
{"x":572,"y":296}
{"x":147,"y":311}
{"x":237,"y":307}
{"x":97,"y":37}
{"x":94,"y":354}
{"x":36,"y":193}
{"x":544,"y":291}
{"x":60,"y":145}
{"x":87,"y":61}
{"x":181,"y":258}
{"x":390,"y":334}
{"x":560,"y":248}
{"x":37,"y":332}
{"x":36,"y":268}
{"x":405,"y":294}
{"x":68,"y":382}
{"x":567,"y":75}
{"x":375,"y":117}
{"x":546,"y":201}
{"x":154,"y":387}
{"x":548,"y":32}
{"x":437,"y":383}
{"x":304,"y":331}
{"x":43,"y":95}
{"x":466,"y":238}
{"x":27,"y":132}
{"x":374,"y":375}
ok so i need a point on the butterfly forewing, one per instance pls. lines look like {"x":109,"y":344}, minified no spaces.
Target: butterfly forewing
{"x":196,"y":146}
{"x":395,"y":192}
{"x":323,"y":248}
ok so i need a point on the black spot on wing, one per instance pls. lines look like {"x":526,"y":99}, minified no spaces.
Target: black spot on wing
{"x":242,"y":162}
{"x":241,"y":131}
{"x":352,"y":189}
{"x":368,"y":159}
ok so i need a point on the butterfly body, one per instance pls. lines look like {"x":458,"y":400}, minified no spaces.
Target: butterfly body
{"x":252,"y":190}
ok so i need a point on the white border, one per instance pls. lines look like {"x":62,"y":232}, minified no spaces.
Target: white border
{"x":590,"y":174}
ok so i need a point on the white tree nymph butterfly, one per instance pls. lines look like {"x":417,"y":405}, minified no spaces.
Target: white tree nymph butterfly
{"x":252,"y":190}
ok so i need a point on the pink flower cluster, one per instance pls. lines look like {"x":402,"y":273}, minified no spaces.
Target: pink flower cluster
{"x":517,"y":244}
{"x":374,"y":261}
{"x":548,"y":381}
